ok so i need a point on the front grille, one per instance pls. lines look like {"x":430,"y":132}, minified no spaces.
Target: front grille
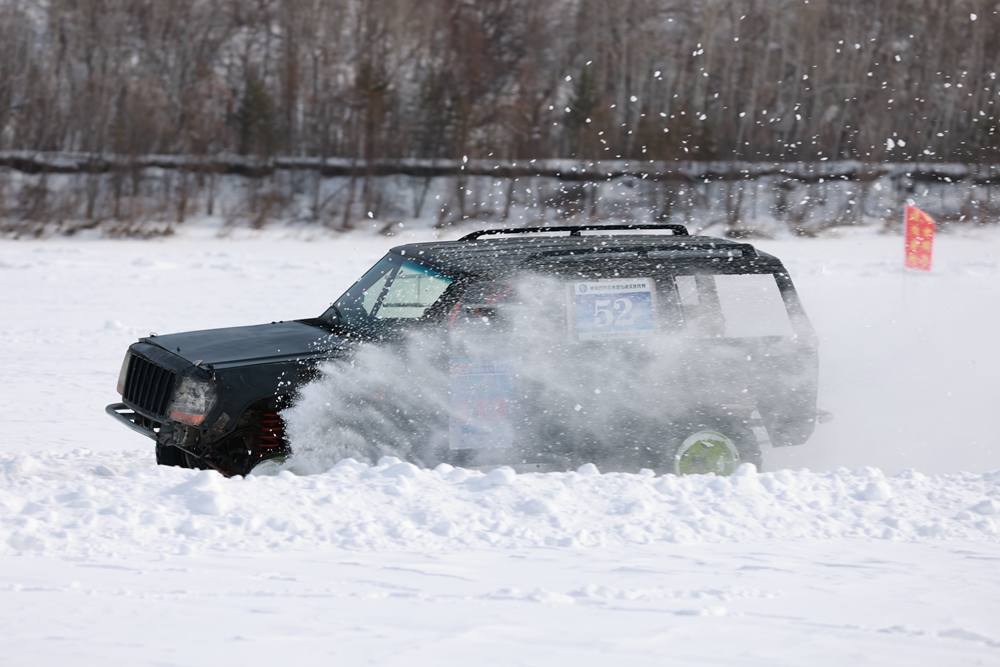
{"x":148,"y":386}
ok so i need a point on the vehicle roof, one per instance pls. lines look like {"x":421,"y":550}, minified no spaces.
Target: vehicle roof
{"x":492,"y":252}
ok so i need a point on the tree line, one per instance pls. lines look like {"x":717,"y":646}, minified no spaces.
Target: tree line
{"x":369,"y":80}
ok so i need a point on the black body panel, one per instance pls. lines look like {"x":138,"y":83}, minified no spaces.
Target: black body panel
{"x":251,"y":344}
{"x":254,"y":371}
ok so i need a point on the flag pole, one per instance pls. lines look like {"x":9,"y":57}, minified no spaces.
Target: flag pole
{"x":906,"y":212}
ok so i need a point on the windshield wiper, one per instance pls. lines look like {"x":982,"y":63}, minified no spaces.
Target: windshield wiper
{"x":340,"y":316}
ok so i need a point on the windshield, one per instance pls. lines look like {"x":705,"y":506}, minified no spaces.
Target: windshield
{"x":392,"y":290}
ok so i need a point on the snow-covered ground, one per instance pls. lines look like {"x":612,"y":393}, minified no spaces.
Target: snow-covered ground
{"x":885,"y":551}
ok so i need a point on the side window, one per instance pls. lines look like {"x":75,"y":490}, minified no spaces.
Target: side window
{"x":733,"y":306}
{"x":411,"y":291}
{"x":485,"y":303}
{"x":687,"y":290}
{"x":700,"y":305}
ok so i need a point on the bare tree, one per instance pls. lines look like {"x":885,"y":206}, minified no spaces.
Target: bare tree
{"x":381,"y":79}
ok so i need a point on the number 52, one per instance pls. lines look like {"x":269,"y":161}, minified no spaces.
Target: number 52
{"x":617,"y":312}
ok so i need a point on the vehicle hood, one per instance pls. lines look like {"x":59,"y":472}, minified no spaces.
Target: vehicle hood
{"x":262,"y":342}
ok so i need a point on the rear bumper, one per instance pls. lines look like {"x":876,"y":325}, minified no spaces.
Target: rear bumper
{"x":133,"y":420}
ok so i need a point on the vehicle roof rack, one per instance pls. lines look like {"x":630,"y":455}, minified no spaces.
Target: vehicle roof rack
{"x":575,"y":230}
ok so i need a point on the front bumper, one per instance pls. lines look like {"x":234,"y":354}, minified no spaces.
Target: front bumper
{"x":134,"y":420}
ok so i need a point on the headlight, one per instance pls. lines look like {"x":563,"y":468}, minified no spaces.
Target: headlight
{"x":123,"y":372}
{"x":192,"y":400}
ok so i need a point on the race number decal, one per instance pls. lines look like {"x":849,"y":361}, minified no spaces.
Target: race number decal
{"x":479,"y":395}
{"x":609,"y":309}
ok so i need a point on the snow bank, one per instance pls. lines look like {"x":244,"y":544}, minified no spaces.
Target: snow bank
{"x":88,"y":504}
{"x":60,"y":193}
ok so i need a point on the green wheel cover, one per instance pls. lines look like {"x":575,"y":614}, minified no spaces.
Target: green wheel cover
{"x":705,"y":452}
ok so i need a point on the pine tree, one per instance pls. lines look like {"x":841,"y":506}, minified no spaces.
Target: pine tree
{"x":584,"y":101}
{"x":256,"y":120}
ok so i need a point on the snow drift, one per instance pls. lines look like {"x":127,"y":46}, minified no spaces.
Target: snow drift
{"x":87,"y":504}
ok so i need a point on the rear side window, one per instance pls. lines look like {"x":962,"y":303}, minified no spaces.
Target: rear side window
{"x":733,"y":305}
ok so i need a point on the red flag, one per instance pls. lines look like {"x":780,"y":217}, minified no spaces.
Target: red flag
{"x":920,"y":229}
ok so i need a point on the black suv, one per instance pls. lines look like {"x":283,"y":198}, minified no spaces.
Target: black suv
{"x":628,"y":346}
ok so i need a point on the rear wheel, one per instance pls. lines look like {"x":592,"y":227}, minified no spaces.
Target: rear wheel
{"x":704,"y":452}
{"x":714,"y":445}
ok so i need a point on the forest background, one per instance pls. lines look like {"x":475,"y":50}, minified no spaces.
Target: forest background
{"x":335,"y":111}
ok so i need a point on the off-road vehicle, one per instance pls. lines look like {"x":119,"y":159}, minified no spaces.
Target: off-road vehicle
{"x":630,"y":346}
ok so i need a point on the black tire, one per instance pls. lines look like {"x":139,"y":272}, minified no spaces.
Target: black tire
{"x":168,"y":455}
{"x":193,"y":462}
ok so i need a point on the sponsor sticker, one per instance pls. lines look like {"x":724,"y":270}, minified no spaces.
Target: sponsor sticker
{"x":612,"y":309}
{"x":480,"y":394}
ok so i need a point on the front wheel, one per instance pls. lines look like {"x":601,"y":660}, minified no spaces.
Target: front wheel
{"x":168,"y":455}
